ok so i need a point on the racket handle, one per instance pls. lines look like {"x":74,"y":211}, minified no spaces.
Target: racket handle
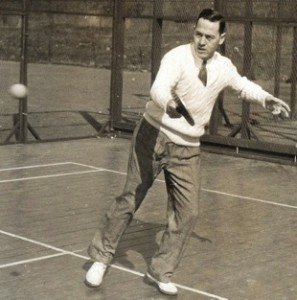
{"x":180,"y":108}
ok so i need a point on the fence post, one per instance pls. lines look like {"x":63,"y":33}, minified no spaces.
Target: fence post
{"x":156,"y":51}
{"x":116,"y":85}
{"x":294,"y":75}
{"x":23,"y":104}
{"x":216,"y":117}
{"x":247,"y":66}
{"x":277,"y":54}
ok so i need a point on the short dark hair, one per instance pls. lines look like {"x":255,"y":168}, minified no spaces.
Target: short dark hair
{"x":213,"y":16}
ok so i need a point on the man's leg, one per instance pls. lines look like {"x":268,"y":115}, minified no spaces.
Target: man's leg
{"x":142,"y":170}
{"x":182,"y":176}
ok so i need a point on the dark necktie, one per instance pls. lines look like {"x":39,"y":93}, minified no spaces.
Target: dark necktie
{"x":203,"y":73}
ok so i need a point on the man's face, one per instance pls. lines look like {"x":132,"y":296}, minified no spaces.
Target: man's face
{"x":207,"y":38}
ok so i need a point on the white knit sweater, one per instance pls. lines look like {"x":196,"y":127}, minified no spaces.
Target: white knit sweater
{"x":180,"y":68}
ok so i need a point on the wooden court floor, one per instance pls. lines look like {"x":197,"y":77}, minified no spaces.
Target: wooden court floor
{"x":54,"y":194}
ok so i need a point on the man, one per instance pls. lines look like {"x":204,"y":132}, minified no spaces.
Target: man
{"x":167,"y":139}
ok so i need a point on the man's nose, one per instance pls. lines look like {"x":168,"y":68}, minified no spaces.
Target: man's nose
{"x":202,"y":40}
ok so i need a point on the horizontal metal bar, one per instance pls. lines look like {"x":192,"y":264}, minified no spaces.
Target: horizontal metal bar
{"x":233,"y":19}
{"x":234,"y":146}
{"x":250,"y":144}
{"x":271,"y":21}
{"x":20,"y":12}
{"x":250,"y":154}
{"x":12,"y":12}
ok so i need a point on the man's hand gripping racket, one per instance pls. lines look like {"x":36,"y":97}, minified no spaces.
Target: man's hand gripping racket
{"x":175,"y":109}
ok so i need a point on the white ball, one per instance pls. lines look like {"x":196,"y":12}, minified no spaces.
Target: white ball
{"x":18,"y":91}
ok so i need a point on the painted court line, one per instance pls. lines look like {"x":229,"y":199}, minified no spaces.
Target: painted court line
{"x":49,"y":176}
{"x":86,"y":166}
{"x":107,"y":170}
{"x":178,"y":285}
{"x":36,"y":166}
{"x":101,"y":169}
{"x":65,"y":252}
{"x":96,"y":169}
{"x":26,"y":261}
{"x":249,"y":198}
{"x":204,"y":189}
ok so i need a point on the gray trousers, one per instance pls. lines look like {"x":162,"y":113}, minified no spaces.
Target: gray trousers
{"x":152,"y":152}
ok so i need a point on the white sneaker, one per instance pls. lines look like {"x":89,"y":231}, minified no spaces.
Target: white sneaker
{"x":166,"y":288}
{"x":94,"y":276}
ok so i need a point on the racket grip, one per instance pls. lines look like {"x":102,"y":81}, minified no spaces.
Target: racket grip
{"x":180,"y":108}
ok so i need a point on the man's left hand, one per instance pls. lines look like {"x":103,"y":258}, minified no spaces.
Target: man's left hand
{"x":277,"y":106}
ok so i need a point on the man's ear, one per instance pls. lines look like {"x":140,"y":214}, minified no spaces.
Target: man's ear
{"x":222,"y":38}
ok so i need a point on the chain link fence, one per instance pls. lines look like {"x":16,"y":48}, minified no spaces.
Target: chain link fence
{"x":62,"y":51}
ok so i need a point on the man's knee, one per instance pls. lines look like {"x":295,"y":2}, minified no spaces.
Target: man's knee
{"x":125,"y":204}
